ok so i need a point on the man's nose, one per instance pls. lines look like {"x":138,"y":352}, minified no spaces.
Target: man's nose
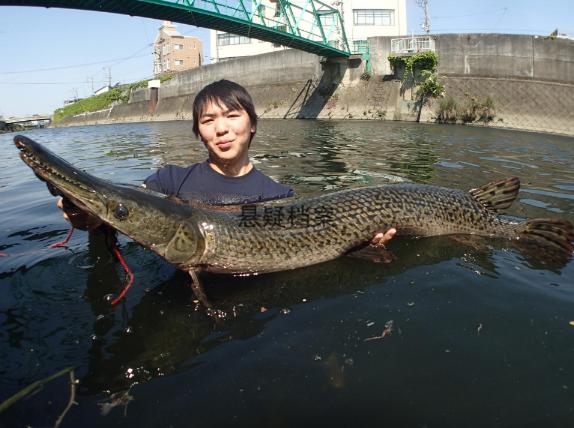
{"x":221,"y":126}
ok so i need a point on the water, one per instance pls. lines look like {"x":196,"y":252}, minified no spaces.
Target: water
{"x":480,"y":334}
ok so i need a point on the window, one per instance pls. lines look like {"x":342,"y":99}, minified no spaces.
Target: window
{"x":177,"y":47}
{"x":374,"y":17}
{"x":165,"y":49}
{"x":178,"y":62}
{"x":226,"y":39}
{"x":327,"y":19}
{"x":360,"y":46}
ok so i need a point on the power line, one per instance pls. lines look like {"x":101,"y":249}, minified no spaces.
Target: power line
{"x":117,"y":61}
{"x":41,"y":83}
{"x":490,"y":12}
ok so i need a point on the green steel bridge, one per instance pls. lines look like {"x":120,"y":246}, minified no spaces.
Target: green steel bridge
{"x":308,"y":25}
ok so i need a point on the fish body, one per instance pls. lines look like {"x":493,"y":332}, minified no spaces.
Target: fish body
{"x":279,"y":236}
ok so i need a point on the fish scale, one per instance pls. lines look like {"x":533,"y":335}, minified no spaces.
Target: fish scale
{"x":357,"y":215}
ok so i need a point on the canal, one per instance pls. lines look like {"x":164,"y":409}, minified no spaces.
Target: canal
{"x":449,"y":333}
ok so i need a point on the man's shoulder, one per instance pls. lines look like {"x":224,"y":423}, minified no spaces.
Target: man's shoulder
{"x":169,"y":177}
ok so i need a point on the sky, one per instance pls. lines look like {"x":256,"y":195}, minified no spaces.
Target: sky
{"x":51,"y":55}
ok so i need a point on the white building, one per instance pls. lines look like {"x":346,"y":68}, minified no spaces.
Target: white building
{"x":362,"y":18}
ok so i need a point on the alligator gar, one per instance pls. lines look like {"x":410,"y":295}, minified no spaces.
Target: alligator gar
{"x":280,"y":236}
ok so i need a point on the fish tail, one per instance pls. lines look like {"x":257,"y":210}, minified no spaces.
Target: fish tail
{"x":554,"y":233}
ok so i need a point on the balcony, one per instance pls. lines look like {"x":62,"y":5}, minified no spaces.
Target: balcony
{"x":412,"y":45}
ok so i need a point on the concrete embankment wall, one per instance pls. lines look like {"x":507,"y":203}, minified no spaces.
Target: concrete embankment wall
{"x":530,"y":80}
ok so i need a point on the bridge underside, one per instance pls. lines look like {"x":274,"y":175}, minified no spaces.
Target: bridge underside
{"x":188,"y":15}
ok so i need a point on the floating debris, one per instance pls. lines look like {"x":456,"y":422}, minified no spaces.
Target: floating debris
{"x":389,"y":328}
{"x":121,"y":398}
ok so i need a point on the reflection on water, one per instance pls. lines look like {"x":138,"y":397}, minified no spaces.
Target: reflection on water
{"x":474,"y":321}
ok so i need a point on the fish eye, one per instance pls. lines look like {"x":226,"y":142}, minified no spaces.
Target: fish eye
{"x":121,"y":212}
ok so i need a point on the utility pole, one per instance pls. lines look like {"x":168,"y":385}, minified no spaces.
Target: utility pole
{"x":424,"y":4}
{"x":338,"y":4}
{"x":109,"y":75}
{"x":90,"y":80}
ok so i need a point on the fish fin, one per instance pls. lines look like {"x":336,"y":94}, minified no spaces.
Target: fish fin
{"x":498,"y":194}
{"x":198,"y":289}
{"x":554,"y":233}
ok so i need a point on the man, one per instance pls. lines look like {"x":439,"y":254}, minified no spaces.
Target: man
{"x":225,"y":121}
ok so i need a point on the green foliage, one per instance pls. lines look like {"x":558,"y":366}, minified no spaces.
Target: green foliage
{"x":397,"y":62}
{"x":430,"y":87}
{"x":468,"y":112}
{"x":120,"y":94}
{"x":414,"y":64}
{"x":447,"y":110}
{"x":424,"y":61}
{"x":473,"y":110}
{"x":487,"y":111}
{"x":165,"y":77}
{"x":97,"y":102}
{"x":138,"y":85}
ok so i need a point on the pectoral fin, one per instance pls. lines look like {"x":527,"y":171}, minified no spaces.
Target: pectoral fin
{"x":198,"y":289}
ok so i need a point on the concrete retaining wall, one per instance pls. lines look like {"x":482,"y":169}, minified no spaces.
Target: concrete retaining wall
{"x":492,"y":55}
{"x":294,"y":84}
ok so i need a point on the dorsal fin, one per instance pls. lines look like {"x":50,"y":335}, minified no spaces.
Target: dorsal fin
{"x":498,"y":194}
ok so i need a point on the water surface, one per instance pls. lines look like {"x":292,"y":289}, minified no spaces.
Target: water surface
{"x":481,"y":333}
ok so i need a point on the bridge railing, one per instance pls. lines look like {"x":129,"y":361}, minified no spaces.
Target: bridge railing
{"x":310,"y":19}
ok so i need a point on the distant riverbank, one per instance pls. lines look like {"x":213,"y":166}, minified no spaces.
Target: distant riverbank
{"x":527,"y":81}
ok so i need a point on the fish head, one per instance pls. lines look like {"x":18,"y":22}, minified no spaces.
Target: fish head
{"x":147,"y":218}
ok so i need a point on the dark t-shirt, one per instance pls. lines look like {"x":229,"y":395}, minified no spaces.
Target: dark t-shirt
{"x":200,"y":182}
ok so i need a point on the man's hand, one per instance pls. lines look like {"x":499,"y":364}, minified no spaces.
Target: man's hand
{"x":78,"y":218}
{"x":381,"y":239}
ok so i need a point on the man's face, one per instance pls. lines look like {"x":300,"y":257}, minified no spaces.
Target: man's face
{"x":226,"y":133}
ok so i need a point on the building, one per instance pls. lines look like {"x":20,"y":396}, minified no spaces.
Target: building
{"x":362,"y":18}
{"x":174,"y":52}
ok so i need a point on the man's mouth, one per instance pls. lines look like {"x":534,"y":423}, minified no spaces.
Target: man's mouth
{"x":224,"y":145}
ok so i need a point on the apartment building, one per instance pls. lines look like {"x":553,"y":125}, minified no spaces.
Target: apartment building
{"x":362,"y":19}
{"x":174,"y":52}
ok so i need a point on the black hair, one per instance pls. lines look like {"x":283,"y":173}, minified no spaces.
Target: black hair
{"x":224,"y":93}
